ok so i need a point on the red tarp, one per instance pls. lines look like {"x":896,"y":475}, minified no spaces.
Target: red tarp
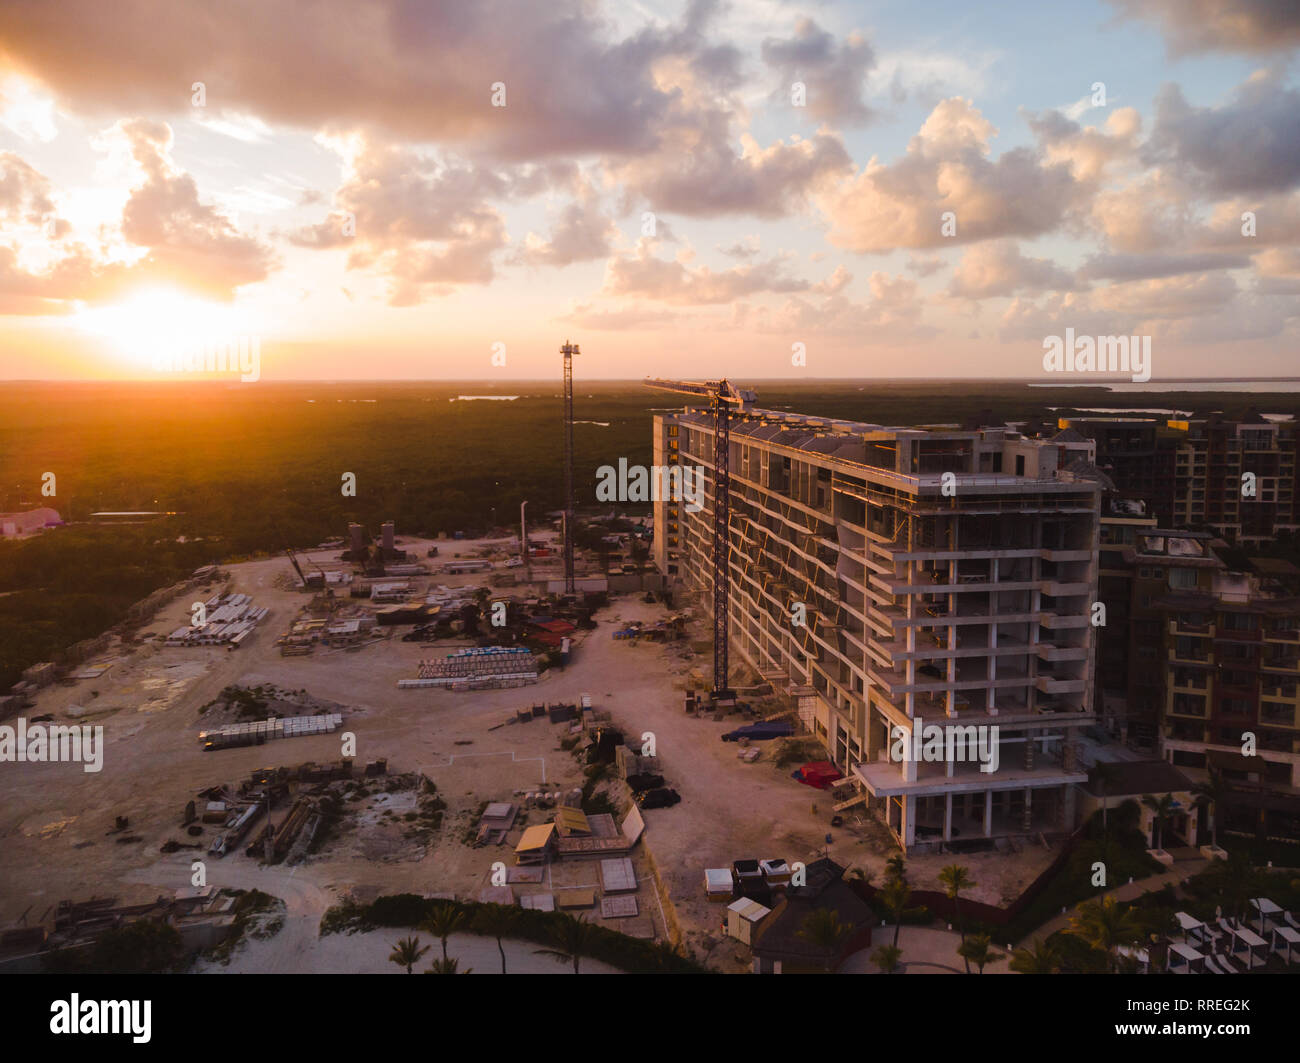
{"x":821,"y":774}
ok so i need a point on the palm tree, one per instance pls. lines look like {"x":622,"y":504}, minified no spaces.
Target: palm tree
{"x":976,"y":951}
{"x":448,"y":967}
{"x":1040,"y":957}
{"x":443,"y":921}
{"x":496,"y":921}
{"x":407,"y":952}
{"x":887,"y":958}
{"x":822,"y":928}
{"x":1212,"y":795}
{"x":954,"y":878}
{"x":895,"y":896}
{"x":860,"y":874}
{"x":896,"y":868}
{"x":572,"y":936}
{"x":1104,"y":925}
{"x":1238,"y":881}
{"x":1162,"y":808}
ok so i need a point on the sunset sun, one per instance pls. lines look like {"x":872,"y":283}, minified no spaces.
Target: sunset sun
{"x":154,"y":323}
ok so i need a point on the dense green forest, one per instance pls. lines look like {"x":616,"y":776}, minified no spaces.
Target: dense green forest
{"x":249,"y":468}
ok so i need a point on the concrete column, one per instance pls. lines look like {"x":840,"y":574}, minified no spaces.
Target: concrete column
{"x":947,"y":818}
{"x":988,"y":813}
{"x":1068,"y":806}
{"x":1029,"y":751}
{"x":908,"y":809}
{"x":1028,"y":809}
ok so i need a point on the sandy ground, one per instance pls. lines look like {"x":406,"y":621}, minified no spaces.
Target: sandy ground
{"x":55,"y":818}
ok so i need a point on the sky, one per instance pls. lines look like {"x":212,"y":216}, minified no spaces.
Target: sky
{"x":415,"y":190}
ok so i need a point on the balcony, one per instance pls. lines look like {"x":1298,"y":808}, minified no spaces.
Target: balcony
{"x":1057,"y":589}
{"x":1052,"y":684}
{"x":1048,"y":652}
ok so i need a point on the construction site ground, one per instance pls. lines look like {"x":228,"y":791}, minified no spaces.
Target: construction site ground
{"x":56,"y":819}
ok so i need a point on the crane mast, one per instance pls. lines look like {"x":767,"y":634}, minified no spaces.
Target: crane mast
{"x":722,"y":395}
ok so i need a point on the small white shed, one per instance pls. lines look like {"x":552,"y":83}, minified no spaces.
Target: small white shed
{"x":744,"y":917}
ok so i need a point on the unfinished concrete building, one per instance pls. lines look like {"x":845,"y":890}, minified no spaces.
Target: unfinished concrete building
{"x":888,"y":579}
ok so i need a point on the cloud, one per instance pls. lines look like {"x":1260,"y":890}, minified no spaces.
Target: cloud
{"x":1151,"y":266}
{"x":425,"y":223}
{"x":166,"y":234}
{"x":747,"y":248}
{"x":700,"y":174}
{"x":582,"y":232}
{"x":948,"y":167}
{"x":1087,"y":150}
{"x":421,"y":72}
{"x":1152,"y":213}
{"x":998,"y":268}
{"x":1219,"y":25}
{"x":925,"y":265}
{"x":25,"y":194}
{"x":189,"y":241}
{"x":833,"y":74}
{"x":642,"y":275}
{"x":891,"y":316}
{"x":624,"y":318}
{"x":1250,"y":144}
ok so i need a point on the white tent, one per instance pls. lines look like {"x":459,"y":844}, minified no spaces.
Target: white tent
{"x":1267,"y":911}
{"x":1249,"y":947}
{"x":1183,"y":959}
{"x":1286,"y":943}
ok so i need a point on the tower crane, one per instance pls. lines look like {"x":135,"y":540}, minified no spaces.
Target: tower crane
{"x":722,"y":396}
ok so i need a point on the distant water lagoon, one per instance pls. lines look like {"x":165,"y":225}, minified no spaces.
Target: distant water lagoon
{"x":489,"y":398}
{"x":1284,"y":385}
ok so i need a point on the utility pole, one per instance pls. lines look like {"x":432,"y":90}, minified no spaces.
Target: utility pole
{"x":523,"y":542}
{"x":568,"y":350}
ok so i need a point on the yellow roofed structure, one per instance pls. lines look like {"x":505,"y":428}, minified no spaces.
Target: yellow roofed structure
{"x":570,"y":821}
{"x":534,"y":846}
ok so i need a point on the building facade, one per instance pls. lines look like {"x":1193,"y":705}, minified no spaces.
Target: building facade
{"x":1236,"y":478}
{"x":1232,"y":668}
{"x":891,"y":580}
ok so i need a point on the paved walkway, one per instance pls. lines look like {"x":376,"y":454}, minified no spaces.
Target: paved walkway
{"x":1182,"y":869}
{"x":925,"y":951}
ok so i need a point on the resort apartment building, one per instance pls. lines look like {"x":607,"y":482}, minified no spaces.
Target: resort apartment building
{"x":941,"y":576}
{"x":1231,"y":673}
{"x":1237,"y":478}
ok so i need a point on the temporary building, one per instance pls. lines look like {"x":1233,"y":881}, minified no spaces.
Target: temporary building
{"x":718,"y":885}
{"x":775,"y":872}
{"x":744,"y":918}
{"x":571,"y":821}
{"x":535,"y":845}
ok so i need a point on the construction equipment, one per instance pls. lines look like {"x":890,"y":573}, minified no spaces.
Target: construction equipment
{"x":293,"y":560}
{"x":722,"y":396}
{"x":568,"y":350}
